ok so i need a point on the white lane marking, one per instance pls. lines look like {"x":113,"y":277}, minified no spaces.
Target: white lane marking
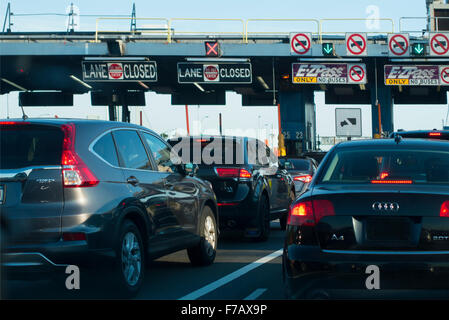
{"x":230,"y":277}
{"x":256,"y":294}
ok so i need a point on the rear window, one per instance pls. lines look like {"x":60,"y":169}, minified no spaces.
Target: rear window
{"x":30,"y":145}
{"x":296,"y":164}
{"x":209,"y":151}
{"x":387,"y":166}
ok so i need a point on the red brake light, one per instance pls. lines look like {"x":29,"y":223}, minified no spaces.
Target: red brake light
{"x":233,"y":173}
{"x":444,"y":210}
{"x":309,"y":213}
{"x":12,"y":123}
{"x":75,"y":173}
{"x":305,"y":178}
{"x":383,"y":175}
{"x":434,"y":134}
{"x":391,"y":181}
{"x":228,"y":172}
{"x":245,"y":174}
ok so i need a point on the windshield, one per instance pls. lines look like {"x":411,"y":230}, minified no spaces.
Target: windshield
{"x":387,"y":166}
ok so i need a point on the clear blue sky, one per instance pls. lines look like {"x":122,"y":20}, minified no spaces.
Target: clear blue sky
{"x":234,"y":116}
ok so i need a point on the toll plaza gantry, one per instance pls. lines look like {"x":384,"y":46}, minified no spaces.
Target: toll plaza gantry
{"x":267,"y":68}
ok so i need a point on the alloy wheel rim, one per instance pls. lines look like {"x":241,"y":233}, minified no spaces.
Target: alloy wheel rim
{"x":131,"y":258}
{"x":210,"y":235}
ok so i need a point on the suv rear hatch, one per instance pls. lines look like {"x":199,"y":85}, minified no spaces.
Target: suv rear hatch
{"x":221,"y":168}
{"x":31,"y":184}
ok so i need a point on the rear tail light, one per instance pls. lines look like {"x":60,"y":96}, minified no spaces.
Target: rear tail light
{"x":434,"y":134}
{"x":309,"y":213}
{"x":244,"y":174}
{"x":391,"y":181}
{"x":12,"y":123}
{"x":233,"y":173}
{"x":444,"y":210}
{"x":384,"y":175}
{"x":75,"y":173}
{"x":305,"y":178}
{"x":74,"y":236}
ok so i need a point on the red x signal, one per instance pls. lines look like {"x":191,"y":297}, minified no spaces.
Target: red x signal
{"x":212,"y":49}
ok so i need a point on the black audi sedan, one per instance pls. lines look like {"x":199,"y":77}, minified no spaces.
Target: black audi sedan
{"x":374,"y":223}
{"x":72,"y":189}
{"x":251,"y":188}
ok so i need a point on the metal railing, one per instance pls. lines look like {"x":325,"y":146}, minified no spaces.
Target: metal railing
{"x":164,"y":30}
{"x":353,"y":19}
{"x":239,"y":33}
{"x":247,"y":32}
{"x":435,"y":21}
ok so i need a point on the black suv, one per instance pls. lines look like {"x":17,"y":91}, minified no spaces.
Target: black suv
{"x":250,"y":186}
{"x":71,"y":188}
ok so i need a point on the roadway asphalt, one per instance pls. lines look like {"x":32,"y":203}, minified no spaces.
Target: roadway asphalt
{"x":243,"y":269}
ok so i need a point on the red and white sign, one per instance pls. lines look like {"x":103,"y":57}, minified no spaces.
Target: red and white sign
{"x":439,"y":44}
{"x":356,"y":44}
{"x":398,"y":44}
{"x":444,"y":75}
{"x":357,"y":73}
{"x":300,"y":43}
{"x":211,"y":73}
{"x":115,"y":71}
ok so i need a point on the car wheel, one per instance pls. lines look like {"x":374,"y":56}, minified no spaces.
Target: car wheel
{"x":264,"y":219}
{"x":284,"y":216}
{"x":130,"y":260}
{"x":204,"y":252}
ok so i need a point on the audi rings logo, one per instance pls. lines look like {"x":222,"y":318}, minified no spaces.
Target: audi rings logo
{"x":385,"y":206}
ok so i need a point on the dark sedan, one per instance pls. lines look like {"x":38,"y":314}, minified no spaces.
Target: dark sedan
{"x":301,"y":170}
{"x":424,"y":134}
{"x":374,"y":223}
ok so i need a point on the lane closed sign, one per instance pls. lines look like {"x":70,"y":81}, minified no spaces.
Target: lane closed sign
{"x":214,"y":73}
{"x":119,"y":71}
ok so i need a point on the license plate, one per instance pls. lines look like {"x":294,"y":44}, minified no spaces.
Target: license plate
{"x":1,"y":194}
{"x":388,"y":229}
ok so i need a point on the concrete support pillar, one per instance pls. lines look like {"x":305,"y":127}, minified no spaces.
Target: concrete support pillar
{"x":298,"y":121}
{"x":112,"y":113}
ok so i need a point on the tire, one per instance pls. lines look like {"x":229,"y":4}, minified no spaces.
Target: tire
{"x":130,"y":256}
{"x":264,"y":219}
{"x":203,"y":254}
{"x":283,"y":218}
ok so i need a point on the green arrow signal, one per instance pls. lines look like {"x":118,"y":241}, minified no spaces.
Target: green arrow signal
{"x":418,"y":48}
{"x":328,"y":48}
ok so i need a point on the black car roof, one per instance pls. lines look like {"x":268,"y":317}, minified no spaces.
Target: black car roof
{"x":391,"y":143}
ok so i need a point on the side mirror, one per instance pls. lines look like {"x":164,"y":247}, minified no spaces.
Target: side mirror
{"x":190,"y":168}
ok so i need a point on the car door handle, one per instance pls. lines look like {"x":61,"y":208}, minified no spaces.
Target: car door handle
{"x":132,"y":180}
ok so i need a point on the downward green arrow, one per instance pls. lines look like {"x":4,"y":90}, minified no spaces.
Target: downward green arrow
{"x":419,"y":48}
{"x":328,"y":48}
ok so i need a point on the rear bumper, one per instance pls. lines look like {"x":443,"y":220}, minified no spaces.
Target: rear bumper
{"x":28,"y":260}
{"x":310,"y":272}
